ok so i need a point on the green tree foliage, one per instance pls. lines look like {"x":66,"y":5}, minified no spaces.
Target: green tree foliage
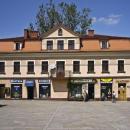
{"x":51,"y":14}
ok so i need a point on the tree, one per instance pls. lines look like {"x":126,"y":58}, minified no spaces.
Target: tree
{"x":51,"y":14}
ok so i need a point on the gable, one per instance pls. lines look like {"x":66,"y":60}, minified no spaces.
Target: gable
{"x":65,"y":33}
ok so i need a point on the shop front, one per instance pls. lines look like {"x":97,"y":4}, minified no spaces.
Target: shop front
{"x":30,"y":84}
{"x":16,"y":89}
{"x":80,"y":85}
{"x":44,"y":89}
{"x":2,"y":91}
{"x":122,"y":89}
{"x":106,"y":88}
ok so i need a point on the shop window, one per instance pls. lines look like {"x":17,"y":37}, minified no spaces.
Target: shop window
{"x":90,"y":66}
{"x":71,"y":44}
{"x":44,"y":67}
{"x":30,"y":67}
{"x":60,"y":45}
{"x":2,"y":67}
{"x":105,"y":68}
{"x":121,"y":66}
{"x":76,"y":66}
{"x":16,"y":67}
{"x":60,"y":32}
{"x":49,"y":45}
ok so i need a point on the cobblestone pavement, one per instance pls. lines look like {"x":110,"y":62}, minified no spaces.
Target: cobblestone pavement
{"x":64,"y":115}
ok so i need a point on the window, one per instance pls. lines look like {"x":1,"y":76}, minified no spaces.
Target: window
{"x":105,"y":66}
{"x":71,"y":45}
{"x":60,"y":45}
{"x":30,"y":67}
{"x":90,"y":66}
{"x":2,"y":67}
{"x":44,"y":67}
{"x":60,"y":32}
{"x":60,"y":66}
{"x":120,"y":66}
{"x":16,"y":67}
{"x":76,"y":67}
{"x":104,"y":44}
{"x":18,"y":46}
{"x":49,"y":45}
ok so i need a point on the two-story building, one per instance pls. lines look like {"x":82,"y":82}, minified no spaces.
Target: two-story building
{"x":61,"y":64}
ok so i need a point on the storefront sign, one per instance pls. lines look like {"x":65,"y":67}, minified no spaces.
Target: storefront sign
{"x":84,"y":81}
{"x":16,"y":81}
{"x":122,"y":81}
{"x":107,"y":80}
{"x":44,"y":81}
{"x":30,"y":83}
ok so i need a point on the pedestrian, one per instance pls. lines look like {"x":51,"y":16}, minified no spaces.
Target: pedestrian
{"x":84,"y":95}
{"x":113,"y":97}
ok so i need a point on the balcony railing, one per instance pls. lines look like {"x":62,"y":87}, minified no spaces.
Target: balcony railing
{"x":61,"y":74}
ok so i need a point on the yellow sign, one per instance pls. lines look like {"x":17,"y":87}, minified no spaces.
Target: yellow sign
{"x":108,"y":80}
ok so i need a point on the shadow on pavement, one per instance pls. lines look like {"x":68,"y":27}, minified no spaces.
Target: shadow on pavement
{"x":2,"y":105}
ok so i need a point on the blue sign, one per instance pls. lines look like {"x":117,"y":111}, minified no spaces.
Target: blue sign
{"x":16,"y":81}
{"x":44,"y":81}
{"x":30,"y":83}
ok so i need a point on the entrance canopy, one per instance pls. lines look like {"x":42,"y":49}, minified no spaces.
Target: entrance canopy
{"x":30,"y":83}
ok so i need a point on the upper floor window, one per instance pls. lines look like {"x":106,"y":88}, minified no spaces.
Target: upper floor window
{"x":60,"y":45}
{"x":71,"y":44}
{"x":44,"y":67}
{"x":105,"y":68}
{"x":121,"y":66}
{"x":76,"y":66}
{"x":60,"y":66}
{"x":18,"y":46}
{"x":2,"y":67}
{"x":90,"y":66}
{"x":104,"y":44}
{"x":49,"y":45}
{"x":16,"y":67}
{"x":60,"y":32}
{"x":30,"y":67}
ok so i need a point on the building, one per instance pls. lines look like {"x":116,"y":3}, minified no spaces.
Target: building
{"x":62,"y":64}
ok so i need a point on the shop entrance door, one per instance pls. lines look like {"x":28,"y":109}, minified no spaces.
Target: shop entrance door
{"x":30,"y":92}
{"x":91,"y":91}
{"x":122,"y":91}
{"x":2,"y":91}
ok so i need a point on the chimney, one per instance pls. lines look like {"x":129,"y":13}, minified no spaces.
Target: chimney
{"x":91,"y":33}
{"x":29,"y":34}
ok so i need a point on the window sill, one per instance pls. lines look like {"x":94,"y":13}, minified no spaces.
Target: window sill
{"x":76,"y":72}
{"x":44,"y":72}
{"x":2,"y":73}
{"x":17,"y":73}
{"x":106,"y":72}
{"x":30,"y":72}
{"x":121,"y":72}
{"x":91,"y":72}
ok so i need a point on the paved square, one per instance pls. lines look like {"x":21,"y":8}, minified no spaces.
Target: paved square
{"x":64,"y":115}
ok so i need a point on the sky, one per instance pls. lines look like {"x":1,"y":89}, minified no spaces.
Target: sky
{"x":110,"y":17}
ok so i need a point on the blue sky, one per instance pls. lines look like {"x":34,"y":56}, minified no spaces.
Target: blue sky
{"x":110,"y":17}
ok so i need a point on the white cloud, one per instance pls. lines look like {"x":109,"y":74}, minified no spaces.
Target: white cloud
{"x":108,"y":20}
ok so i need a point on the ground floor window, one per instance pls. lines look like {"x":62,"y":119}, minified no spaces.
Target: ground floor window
{"x":44,"y":90}
{"x":106,"y":91}
{"x":2,"y":91}
{"x":122,"y":91}
{"x":16,"y":91}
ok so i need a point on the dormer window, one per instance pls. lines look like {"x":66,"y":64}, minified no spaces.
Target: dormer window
{"x":18,"y":46}
{"x":60,"y":32}
{"x":104,"y":44}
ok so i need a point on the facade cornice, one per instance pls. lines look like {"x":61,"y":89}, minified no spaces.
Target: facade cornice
{"x":63,"y":55}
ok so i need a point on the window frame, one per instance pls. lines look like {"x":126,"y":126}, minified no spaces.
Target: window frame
{"x":3,"y":72}
{"x":121,"y":71}
{"x":59,"y":46}
{"x":76,"y":72}
{"x":102,"y":46}
{"x":44,"y":72}
{"x":18,"y":72}
{"x":88,"y":71}
{"x":47,"y":42}
{"x":73,"y":45}
{"x":105,"y":71}
{"x":31,"y":72}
